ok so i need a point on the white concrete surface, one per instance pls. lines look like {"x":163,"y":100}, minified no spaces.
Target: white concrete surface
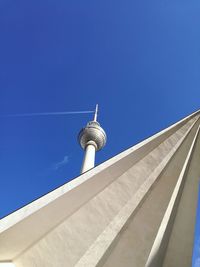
{"x":159,"y":247}
{"x":110,"y":215}
{"x":7,"y":264}
{"x":140,"y":231}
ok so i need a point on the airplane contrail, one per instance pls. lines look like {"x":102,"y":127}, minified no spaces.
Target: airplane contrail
{"x":47,"y":113}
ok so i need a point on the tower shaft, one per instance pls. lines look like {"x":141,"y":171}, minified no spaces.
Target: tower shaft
{"x":89,"y":157}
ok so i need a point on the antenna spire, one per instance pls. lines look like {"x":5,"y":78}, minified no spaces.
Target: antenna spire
{"x":96,"y":112}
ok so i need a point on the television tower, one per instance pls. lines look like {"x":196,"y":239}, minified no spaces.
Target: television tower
{"x":92,"y":138}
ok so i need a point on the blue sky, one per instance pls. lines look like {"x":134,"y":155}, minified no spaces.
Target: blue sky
{"x":140,"y":60}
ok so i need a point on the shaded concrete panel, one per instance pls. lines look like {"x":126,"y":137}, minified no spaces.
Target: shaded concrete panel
{"x":180,"y":246}
{"x":67,"y":243}
{"x":134,"y":243}
{"x":158,"y":249}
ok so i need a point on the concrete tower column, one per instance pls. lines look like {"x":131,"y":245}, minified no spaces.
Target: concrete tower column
{"x":89,"y":157}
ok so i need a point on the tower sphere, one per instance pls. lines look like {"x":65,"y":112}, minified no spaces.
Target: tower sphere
{"x":92,"y":133}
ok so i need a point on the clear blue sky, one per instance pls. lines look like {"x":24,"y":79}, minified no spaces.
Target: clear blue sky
{"x":140,"y":60}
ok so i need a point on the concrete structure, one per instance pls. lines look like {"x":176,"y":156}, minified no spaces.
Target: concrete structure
{"x":136,"y":209}
{"x":92,"y":138}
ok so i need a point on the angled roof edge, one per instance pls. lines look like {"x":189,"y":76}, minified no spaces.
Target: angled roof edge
{"x":75,"y":184}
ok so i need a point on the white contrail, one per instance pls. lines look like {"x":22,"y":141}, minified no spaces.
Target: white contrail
{"x":47,"y":113}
